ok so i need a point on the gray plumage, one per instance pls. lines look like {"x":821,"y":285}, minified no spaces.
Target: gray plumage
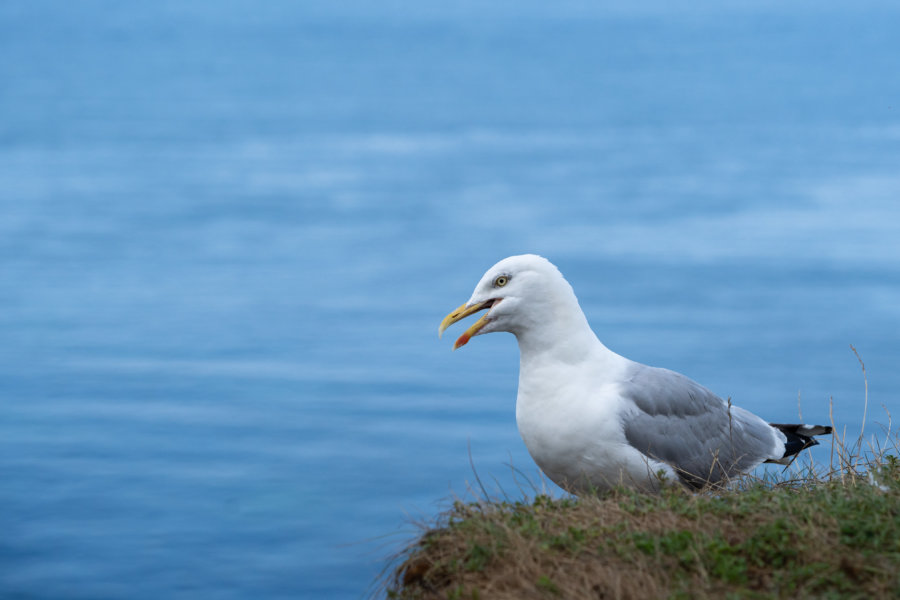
{"x":591,"y":418}
{"x":704,"y":438}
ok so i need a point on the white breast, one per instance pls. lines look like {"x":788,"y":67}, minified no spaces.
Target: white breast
{"x":568,"y":416}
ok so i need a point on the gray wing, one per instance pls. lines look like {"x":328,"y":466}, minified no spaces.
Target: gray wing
{"x":681,"y":423}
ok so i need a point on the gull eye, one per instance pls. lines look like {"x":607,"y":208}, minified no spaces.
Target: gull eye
{"x":501,"y":281}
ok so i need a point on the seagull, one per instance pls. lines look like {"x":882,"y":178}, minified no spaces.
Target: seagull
{"x":592,"y":419}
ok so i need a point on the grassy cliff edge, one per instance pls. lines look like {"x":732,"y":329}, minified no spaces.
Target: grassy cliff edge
{"x":818,"y":535}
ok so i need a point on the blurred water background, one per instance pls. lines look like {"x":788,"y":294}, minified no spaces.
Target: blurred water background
{"x":230,"y":229}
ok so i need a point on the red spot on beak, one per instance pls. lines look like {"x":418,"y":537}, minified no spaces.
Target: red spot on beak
{"x":462,"y":341}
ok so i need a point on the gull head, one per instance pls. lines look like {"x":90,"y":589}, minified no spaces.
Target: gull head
{"x":520,"y":293}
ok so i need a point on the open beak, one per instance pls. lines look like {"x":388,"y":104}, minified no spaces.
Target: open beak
{"x":461,"y":313}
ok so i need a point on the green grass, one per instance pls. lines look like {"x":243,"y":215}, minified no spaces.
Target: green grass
{"x":831,"y":539}
{"x":809,"y":532}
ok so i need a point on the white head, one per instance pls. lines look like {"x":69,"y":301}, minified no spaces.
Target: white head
{"x":524,"y":293}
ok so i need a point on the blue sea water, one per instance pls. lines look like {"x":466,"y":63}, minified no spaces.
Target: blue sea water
{"x":230,"y":229}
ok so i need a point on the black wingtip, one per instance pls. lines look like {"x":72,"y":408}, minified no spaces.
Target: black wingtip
{"x":800,"y":436}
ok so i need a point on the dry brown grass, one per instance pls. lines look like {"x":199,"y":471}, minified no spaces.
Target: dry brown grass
{"x":811,"y":531}
{"x":776,"y":539}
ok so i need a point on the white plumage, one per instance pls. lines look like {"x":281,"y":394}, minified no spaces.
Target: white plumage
{"x":591,"y":418}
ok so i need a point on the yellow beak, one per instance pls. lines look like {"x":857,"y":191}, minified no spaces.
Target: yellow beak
{"x":461,"y":313}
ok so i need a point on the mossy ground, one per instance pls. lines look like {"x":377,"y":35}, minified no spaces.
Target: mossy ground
{"x":816,"y":536}
{"x":818,"y":532}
